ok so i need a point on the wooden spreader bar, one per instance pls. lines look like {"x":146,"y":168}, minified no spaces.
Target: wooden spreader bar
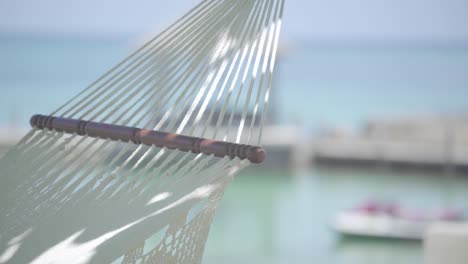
{"x":150,"y":137}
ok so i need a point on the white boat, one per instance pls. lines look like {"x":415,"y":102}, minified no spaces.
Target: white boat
{"x":390,"y":221}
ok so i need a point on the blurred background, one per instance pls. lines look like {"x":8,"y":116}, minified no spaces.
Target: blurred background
{"x":368,"y":138}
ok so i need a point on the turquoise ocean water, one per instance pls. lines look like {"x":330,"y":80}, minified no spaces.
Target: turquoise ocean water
{"x":279,"y":216}
{"x":275,"y":216}
{"x":345,"y":84}
{"x":335,"y":83}
{"x":38,"y":74}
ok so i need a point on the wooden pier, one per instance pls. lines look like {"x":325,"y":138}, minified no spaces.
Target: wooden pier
{"x":413,"y":143}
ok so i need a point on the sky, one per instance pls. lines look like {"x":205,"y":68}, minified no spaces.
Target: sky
{"x":319,"y":19}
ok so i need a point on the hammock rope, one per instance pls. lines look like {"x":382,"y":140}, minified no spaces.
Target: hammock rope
{"x":67,"y":196}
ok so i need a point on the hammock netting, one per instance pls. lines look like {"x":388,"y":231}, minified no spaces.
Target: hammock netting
{"x":68,"y":198}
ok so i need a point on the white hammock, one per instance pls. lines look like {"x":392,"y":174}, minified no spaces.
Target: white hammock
{"x":68,"y":198}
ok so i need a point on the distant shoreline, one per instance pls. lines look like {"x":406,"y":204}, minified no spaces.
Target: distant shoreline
{"x":325,"y":42}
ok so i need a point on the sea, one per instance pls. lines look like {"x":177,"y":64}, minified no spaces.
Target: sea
{"x":282,"y":215}
{"x":316,"y":83}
